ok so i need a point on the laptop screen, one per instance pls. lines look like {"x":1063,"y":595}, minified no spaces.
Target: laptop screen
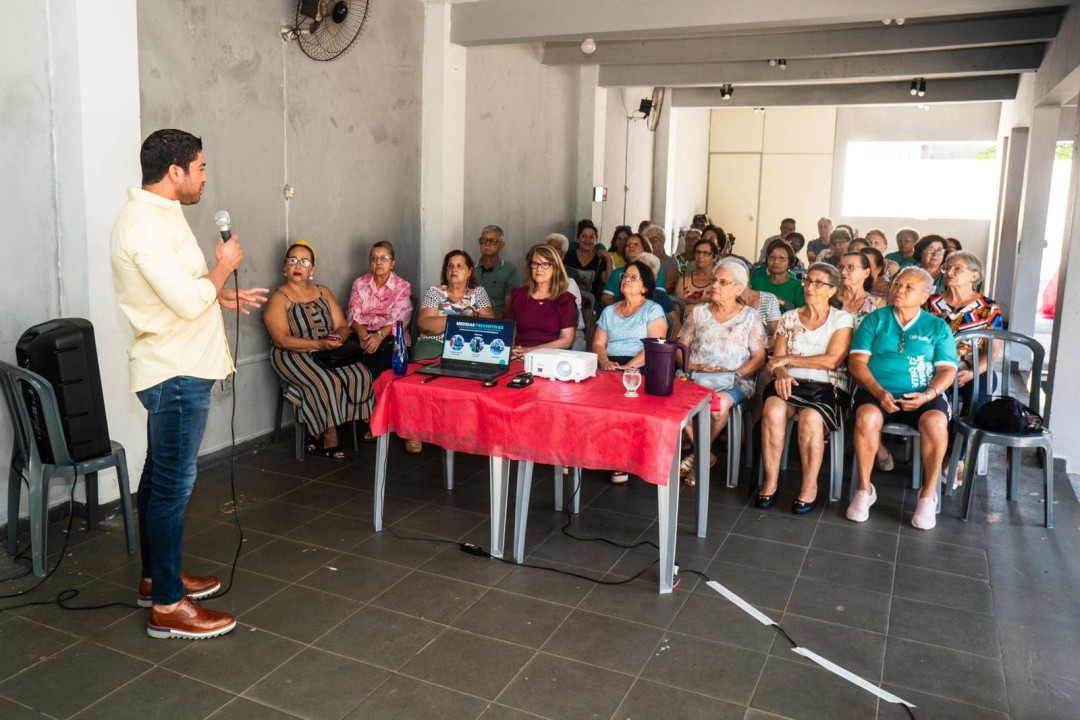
{"x":481,"y":340}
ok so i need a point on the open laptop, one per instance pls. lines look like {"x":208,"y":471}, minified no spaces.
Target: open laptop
{"x":474,"y":348}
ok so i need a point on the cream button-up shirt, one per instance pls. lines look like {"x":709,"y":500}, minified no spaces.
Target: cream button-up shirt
{"x":158,"y":271}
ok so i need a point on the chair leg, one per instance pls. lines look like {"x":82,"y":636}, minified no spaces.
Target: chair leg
{"x":14,"y":491}
{"x":734,"y":429}
{"x":91,"y":487}
{"x":125,"y":499}
{"x":975,"y":445}
{"x":558,"y":481}
{"x":916,"y":462}
{"x":958,"y":446}
{"x":836,"y":466}
{"x":1048,"y":484}
{"x":39,"y":520}
{"x":1013,"y":488}
{"x":787,"y":442}
{"x":278,"y":413}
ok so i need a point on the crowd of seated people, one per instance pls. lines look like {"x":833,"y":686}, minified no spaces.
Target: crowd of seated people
{"x":862,"y":322}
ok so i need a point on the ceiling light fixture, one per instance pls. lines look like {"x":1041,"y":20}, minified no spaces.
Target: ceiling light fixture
{"x":726,"y":91}
{"x":772,"y":62}
{"x":588,"y":46}
{"x":783,"y":63}
{"x":922,"y":86}
{"x":914,"y":87}
{"x":886,"y":21}
{"x":923,"y":106}
{"x":759,"y":110}
{"x":899,"y":22}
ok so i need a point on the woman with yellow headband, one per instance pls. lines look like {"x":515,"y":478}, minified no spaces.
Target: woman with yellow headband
{"x":304,"y":318}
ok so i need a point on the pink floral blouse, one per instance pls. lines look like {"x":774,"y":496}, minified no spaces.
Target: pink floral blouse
{"x":374,"y":307}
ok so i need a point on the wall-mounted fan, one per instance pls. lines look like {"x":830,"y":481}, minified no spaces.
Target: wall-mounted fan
{"x":653,"y":119}
{"x":327,"y":29}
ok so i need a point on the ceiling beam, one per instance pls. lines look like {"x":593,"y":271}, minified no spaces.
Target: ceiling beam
{"x":493,"y":22}
{"x":912,"y":37}
{"x":1009,"y":59}
{"x":945,"y":90}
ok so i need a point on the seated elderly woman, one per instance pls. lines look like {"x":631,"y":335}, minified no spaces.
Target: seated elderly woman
{"x":930,"y":252}
{"x":879,"y":282}
{"x":693,"y":287}
{"x":776,"y":277}
{"x":810,"y":379}
{"x":856,"y":283}
{"x":724,"y":335}
{"x":903,"y":360}
{"x":378,"y":301}
{"x":304,"y":318}
{"x":632,"y":249}
{"x":545,"y":312}
{"x":459,"y":294}
{"x":621,"y":328}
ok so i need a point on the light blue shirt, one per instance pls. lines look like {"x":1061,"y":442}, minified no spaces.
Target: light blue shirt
{"x":625,"y":334}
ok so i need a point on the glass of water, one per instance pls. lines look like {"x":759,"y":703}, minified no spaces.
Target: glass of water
{"x":631,"y":380}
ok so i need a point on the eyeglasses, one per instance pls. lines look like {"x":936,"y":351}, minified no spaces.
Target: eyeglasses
{"x":631,"y":278}
{"x":778,"y":258}
{"x":379,"y":259}
{"x":540,"y":265}
{"x":850,"y":268}
{"x":489,"y":241}
{"x":817,"y":284}
{"x":934,"y":251}
{"x":304,"y":262}
{"x":723,"y":283}
{"x":704,"y":253}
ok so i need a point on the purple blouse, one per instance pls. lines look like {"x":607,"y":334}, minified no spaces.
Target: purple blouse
{"x":540,"y":321}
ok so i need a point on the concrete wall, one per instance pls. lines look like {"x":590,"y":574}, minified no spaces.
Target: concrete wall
{"x":628,"y":162}
{"x":520,"y":148}
{"x":976,"y":121}
{"x":688,"y":169}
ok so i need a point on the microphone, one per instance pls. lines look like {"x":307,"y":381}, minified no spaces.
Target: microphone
{"x":221,"y":219}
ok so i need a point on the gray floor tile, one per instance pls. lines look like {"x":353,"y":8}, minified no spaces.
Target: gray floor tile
{"x":849,"y":570}
{"x":944,"y":589}
{"x":241,"y":709}
{"x":713,"y":617}
{"x":973,"y":679}
{"x":772,"y":525}
{"x":514,"y":618}
{"x":653,"y":701}
{"x":86,"y":671}
{"x":95,"y":592}
{"x":473,"y":664}
{"x":319,"y":495}
{"x":333,"y":530}
{"x":128,"y":635}
{"x":355,"y":577}
{"x":12,"y":711}
{"x":387,"y":547}
{"x":561,"y":689}
{"x":760,"y":588}
{"x":219,"y":543}
{"x":402,"y":697}
{"x":248,"y":590}
{"x":764,"y":554}
{"x":454,"y":563}
{"x":237,"y":661}
{"x":380,"y":637}
{"x":841,"y":604}
{"x":146,"y":695}
{"x":856,"y":539}
{"x":792,"y":689}
{"x":547,"y":584}
{"x":288,"y":560}
{"x":930,"y":706}
{"x":274,"y":516}
{"x":945,"y":626}
{"x":638,"y":601}
{"x":27,"y":643}
{"x":501,"y":712}
{"x":300,"y":613}
{"x":441,"y":521}
{"x":859,"y":651}
{"x":604,"y":641}
{"x":944,"y":557}
{"x":720,"y":671}
{"x":317,"y":685}
{"x":430,"y":597}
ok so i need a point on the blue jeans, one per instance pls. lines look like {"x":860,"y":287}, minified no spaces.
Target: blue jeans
{"x":177,"y":411}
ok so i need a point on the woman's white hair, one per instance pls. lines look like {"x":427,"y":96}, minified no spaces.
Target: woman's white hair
{"x":927,"y":278}
{"x":564,"y":243}
{"x":651,"y":260}
{"x":736,"y":269}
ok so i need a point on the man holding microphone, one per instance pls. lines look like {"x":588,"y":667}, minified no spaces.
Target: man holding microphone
{"x":172,"y":300}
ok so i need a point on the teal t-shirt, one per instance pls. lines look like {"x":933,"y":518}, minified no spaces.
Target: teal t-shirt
{"x":927,"y":343}
{"x":614,"y":283}
{"x":900,"y":260}
{"x":789,"y":292}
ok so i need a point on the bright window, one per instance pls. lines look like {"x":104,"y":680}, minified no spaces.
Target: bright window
{"x":920,"y":180}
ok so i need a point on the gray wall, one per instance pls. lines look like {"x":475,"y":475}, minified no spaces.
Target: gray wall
{"x":975,"y":121}
{"x":520,"y":148}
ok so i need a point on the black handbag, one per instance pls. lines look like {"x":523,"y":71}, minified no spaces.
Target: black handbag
{"x":348,"y":353}
{"x":828,"y":400}
{"x":1008,"y":415}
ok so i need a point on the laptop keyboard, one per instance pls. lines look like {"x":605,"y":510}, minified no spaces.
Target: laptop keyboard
{"x":454,"y":370}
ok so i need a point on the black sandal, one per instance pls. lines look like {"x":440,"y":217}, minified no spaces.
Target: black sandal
{"x":334,"y":453}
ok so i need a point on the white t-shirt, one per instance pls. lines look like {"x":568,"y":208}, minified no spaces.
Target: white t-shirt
{"x":803,"y":341}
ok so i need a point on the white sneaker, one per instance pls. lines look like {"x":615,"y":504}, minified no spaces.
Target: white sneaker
{"x":619,"y":477}
{"x":859,"y":509}
{"x":925,"y":517}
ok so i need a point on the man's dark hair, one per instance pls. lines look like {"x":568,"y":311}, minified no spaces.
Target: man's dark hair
{"x":787,"y":221}
{"x":165,"y":148}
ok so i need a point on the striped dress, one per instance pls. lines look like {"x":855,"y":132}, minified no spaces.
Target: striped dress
{"x":323,"y":396}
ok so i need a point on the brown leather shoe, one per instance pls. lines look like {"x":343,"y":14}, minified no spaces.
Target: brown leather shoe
{"x":195,"y":587}
{"x":189,"y":621}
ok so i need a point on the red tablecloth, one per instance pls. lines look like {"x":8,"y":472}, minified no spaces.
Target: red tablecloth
{"x":588,"y":424}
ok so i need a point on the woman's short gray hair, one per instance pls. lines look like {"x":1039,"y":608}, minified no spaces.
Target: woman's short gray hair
{"x":972,"y":261}
{"x":655,"y":232}
{"x":651,"y":260}
{"x":736,"y":269}
{"x":927,"y":278}
{"x":564,"y":243}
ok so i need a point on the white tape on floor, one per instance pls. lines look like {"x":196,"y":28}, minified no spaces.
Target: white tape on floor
{"x":850,"y":676}
{"x":809,"y":654}
{"x":742,"y":604}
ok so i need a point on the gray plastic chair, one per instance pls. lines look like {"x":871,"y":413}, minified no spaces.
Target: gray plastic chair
{"x":26,"y":462}
{"x":977,"y":438}
{"x":835,"y":459}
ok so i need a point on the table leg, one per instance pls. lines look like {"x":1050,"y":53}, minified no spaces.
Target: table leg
{"x":559,"y":481}
{"x":575,"y":490}
{"x":500,"y":489}
{"x":448,"y":469}
{"x":382,"y":445}
{"x":521,"y":511}
{"x":667,"y":501}
{"x":702,"y":421}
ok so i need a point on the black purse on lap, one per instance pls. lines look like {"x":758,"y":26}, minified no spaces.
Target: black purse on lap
{"x":349,"y":353}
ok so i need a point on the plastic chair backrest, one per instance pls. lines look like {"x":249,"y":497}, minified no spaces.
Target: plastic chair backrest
{"x":680,"y":305}
{"x":411,"y":331}
{"x":1007,"y":342}
{"x":42,"y":412}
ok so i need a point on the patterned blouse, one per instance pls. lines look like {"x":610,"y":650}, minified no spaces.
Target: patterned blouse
{"x":474,"y":299}
{"x":982,"y":313}
{"x":724,"y":344}
{"x":373,"y":307}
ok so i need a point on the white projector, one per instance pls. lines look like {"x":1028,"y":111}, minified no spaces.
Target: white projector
{"x":561,"y":364}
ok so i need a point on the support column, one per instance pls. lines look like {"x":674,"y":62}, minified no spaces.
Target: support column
{"x":1036,"y":200}
{"x":442,"y":166}
{"x":96,"y":140}
{"x":1066,"y":336}
{"x":592,"y":139}
{"x":1012,"y":169}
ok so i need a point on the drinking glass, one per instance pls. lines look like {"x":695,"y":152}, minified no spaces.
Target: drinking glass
{"x":631,"y":380}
